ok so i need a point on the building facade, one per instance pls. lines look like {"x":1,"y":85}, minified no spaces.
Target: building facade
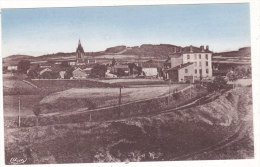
{"x":201,"y":59}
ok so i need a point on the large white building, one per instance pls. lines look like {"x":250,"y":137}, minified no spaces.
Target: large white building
{"x":198,"y":59}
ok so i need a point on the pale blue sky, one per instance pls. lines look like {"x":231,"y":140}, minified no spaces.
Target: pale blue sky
{"x":49,"y":30}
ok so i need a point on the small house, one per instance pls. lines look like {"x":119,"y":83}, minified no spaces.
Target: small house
{"x":120,"y":69}
{"x":182,"y":73}
{"x":78,"y":73}
{"x":12,"y":68}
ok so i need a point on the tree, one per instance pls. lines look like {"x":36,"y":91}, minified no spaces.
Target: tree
{"x":50,"y":75}
{"x":98,"y":71}
{"x":217,"y":84}
{"x":238,"y":73}
{"x":139,"y":70}
{"x":23,"y":66}
{"x":131,"y":67}
{"x":68,"y":73}
{"x":32,"y":74}
{"x":64,"y":64}
{"x":113,"y":62}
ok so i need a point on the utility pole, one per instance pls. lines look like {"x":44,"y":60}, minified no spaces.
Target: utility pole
{"x":90,"y":119}
{"x":169,"y":92}
{"x":19,"y":111}
{"x":119,"y":99}
{"x":190,"y":89}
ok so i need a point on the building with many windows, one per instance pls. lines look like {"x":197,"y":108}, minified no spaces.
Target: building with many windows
{"x":193,"y":62}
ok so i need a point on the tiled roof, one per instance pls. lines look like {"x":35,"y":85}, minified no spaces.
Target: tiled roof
{"x":121,"y":66}
{"x":180,"y":66}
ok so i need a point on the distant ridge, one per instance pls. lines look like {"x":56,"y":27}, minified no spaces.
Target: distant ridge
{"x":159,"y":51}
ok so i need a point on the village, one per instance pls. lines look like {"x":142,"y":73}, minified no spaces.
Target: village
{"x":183,"y":65}
{"x":126,"y":84}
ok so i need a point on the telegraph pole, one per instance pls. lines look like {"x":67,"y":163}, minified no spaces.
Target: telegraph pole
{"x":119,"y":99}
{"x":169,"y":92}
{"x":19,"y":111}
{"x":190,"y":90}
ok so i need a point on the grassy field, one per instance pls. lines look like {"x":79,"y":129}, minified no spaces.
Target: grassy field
{"x":83,"y":98}
{"x":13,"y":86}
{"x":73,"y":95}
{"x":27,"y":102}
{"x":134,"y":81}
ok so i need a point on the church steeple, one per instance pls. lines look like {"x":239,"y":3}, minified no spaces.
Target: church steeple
{"x":80,"y":54}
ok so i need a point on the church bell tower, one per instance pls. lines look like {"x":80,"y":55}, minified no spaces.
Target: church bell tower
{"x":80,"y":54}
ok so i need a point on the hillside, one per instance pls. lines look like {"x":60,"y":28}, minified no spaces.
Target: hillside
{"x":161,"y":51}
{"x":225,"y":122}
{"x":14,"y":59}
{"x":243,"y":55}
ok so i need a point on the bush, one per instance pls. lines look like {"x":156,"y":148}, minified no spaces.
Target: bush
{"x":98,"y":71}
{"x":217,"y":84}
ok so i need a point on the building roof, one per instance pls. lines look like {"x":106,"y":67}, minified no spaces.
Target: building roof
{"x":151,"y":64}
{"x":121,"y":66}
{"x":194,"y":49}
{"x":180,"y":66}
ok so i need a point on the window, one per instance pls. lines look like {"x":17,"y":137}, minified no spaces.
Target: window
{"x":199,"y":56}
{"x":186,"y":70}
{"x":207,"y":56}
{"x":207,"y":63}
{"x":200,"y":64}
{"x":200,"y":71}
{"x":196,"y":71}
{"x":188,"y":56}
{"x":195,"y":56}
{"x":195,"y":64}
{"x":207,"y":71}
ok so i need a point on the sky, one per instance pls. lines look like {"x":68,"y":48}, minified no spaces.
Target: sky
{"x":39,"y":31}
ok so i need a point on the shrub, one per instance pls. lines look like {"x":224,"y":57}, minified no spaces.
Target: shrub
{"x":217,"y":84}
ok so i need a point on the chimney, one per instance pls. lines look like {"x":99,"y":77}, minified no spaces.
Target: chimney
{"x":207,"y":48}
{"x":191,"y":48}
{"x":202,"y":48}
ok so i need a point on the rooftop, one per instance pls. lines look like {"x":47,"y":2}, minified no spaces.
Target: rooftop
{"x":180,"y":66}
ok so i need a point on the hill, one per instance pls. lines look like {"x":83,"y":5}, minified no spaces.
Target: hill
{"x":242,"y":55}
{"x":14,"y":59}
{"x":160,"y":51}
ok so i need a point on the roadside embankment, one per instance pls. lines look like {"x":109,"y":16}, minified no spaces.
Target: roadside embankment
{"x":153,"y":137}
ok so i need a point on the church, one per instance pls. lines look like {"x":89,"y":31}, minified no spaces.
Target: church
{"x":80,"y":54}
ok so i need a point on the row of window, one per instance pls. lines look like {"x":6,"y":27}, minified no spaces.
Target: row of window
{"x":206,"y":56}
{"x":196,"y":71}
{"x":207,"y":64}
